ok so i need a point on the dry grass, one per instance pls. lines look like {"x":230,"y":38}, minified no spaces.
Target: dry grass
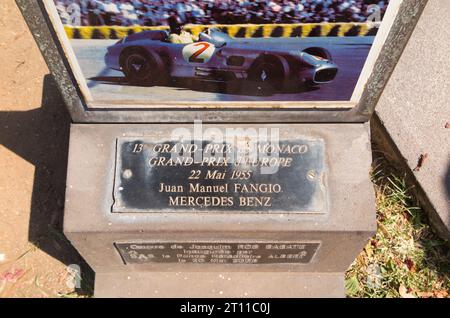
{"x":405,"y":258}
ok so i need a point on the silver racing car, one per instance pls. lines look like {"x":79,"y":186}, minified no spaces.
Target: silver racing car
{"x":148,"y":58}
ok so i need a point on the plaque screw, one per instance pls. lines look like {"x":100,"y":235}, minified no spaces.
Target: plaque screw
{"x":127,"y":174}
{"x":311,"y":175}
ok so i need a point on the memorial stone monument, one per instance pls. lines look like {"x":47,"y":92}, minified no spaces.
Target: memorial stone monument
{"x":218,"y":197}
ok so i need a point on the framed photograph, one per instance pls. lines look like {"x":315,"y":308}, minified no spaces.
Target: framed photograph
{"x":232,"y":60}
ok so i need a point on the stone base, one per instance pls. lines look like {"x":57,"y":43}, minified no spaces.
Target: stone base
{"x":342,"y":228}
{"x":219,"y":285}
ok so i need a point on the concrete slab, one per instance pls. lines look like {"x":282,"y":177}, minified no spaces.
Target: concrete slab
{"x":414,"y":109}
{"x":219,"y":285}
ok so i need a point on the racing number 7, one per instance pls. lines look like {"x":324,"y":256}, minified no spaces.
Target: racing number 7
{"x":194,"y":57}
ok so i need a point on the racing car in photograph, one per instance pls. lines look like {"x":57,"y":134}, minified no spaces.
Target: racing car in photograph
{"x":148,"y":58}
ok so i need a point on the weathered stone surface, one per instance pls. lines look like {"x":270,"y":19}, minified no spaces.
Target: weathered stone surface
{"x":415,"y":110}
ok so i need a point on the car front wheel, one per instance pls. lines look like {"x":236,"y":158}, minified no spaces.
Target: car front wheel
{"x":142,"y":68}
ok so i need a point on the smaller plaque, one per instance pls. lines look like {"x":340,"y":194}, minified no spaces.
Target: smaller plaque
{"x":218,"y":252}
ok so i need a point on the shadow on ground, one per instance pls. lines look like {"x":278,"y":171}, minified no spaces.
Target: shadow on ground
{"x":41,"y":136}
{"x":244,"y":88}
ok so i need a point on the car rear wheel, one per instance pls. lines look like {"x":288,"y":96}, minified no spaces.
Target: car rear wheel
{"x":142,"y":68}
{"x":268,"y":77}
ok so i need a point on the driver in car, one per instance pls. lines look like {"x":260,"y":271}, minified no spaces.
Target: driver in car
{"x":177,"y":34}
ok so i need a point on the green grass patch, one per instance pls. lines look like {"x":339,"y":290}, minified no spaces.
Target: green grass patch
{"x":405,"y":258}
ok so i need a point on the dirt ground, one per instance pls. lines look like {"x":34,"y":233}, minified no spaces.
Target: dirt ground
{"x":34,"y":128}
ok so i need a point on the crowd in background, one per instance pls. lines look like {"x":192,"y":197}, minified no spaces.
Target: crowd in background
{"x":156,"y":12}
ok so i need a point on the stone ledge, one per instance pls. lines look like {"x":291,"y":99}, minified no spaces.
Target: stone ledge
{"x":219,"y":285}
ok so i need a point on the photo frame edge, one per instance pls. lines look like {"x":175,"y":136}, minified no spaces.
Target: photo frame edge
{"x":46,"y":37}
{"x":396,"y":41}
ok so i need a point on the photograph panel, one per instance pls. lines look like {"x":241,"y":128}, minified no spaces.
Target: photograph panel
{"x":220,"y":51}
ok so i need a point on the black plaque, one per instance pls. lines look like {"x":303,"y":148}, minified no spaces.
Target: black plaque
{"x":218,"y":253}
{"x":166,"y":176}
